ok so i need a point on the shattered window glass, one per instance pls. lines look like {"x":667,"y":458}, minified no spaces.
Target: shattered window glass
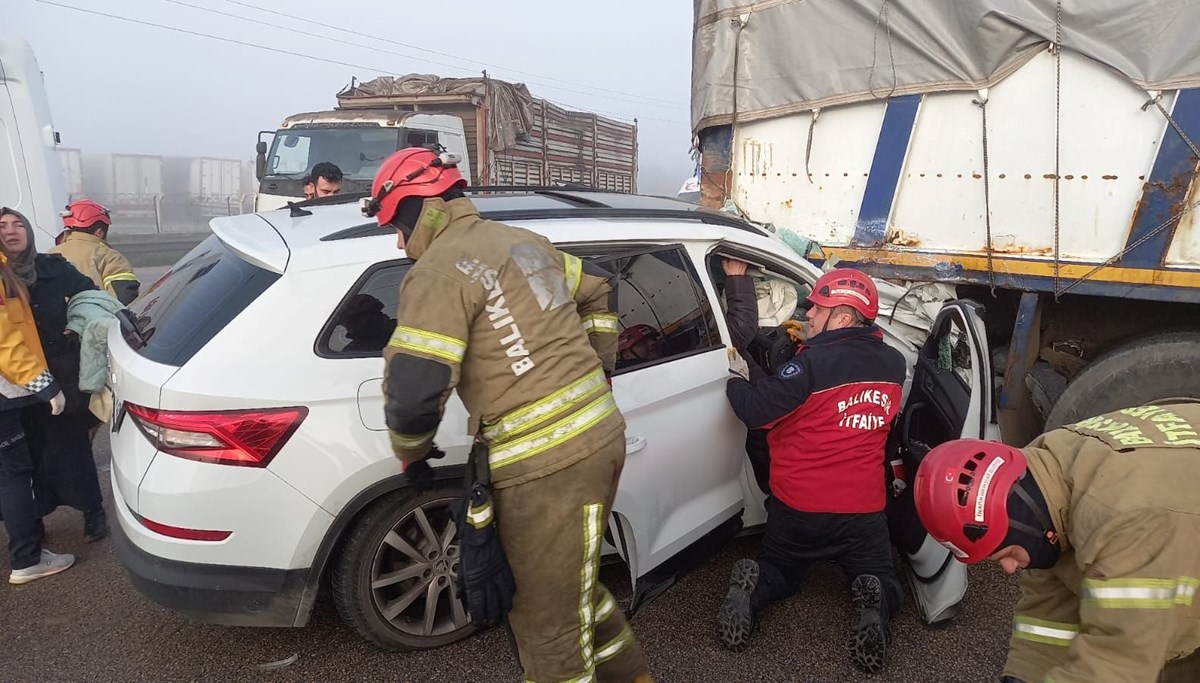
{"x":954,"y":353}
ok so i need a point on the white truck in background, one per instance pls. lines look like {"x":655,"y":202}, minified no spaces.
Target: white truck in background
{"x":954,"y":144}
{"x":31,"y":175}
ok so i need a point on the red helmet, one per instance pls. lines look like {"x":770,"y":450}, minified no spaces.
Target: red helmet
{"x":961,"y":495}
{"x":634,"y":334}
{"x":847,"y":287}
{"x":81,"y":214}
{"x":411,"y":172}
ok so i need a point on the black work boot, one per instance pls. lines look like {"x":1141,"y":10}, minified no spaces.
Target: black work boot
{"x":95,"y":525}
{"x":735,"y":620}
{"x":869,"y":639}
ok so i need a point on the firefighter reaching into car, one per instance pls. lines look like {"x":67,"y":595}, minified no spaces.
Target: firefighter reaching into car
{"x":527,"y":335}
{"x":1104,"y":518}
{"x":829,"y":411}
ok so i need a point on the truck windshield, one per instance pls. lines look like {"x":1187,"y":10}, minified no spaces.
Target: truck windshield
{"x":357,"y":150}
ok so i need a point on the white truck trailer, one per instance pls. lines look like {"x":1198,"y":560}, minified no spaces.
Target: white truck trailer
{"x":1039,"y":156}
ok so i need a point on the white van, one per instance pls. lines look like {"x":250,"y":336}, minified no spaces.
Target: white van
{"x":31,"y":176}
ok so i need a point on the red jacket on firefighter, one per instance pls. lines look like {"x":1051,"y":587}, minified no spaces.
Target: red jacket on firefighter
{"x":830,"y":408}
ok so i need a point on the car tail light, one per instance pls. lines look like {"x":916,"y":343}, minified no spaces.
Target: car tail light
{"x":247,"y":438}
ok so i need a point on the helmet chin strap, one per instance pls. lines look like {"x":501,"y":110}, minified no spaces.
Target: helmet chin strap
{"x":1041,"y":543}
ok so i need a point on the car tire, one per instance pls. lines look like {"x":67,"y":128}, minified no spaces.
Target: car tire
{"x":1149,"y":369}
{"x":395,"y":579}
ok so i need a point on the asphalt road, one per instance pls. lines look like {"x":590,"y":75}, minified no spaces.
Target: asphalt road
{"x":89,"y":624}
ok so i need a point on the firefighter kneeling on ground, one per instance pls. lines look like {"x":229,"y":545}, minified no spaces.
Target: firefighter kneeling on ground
{"x":829,"y":410}
{"x":1104,"y":517}
{"x":528,"y":336}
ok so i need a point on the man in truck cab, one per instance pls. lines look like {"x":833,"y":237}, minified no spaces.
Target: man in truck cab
{"x":527,"y":336}
{"x":84,"y":244}
{"x":325,"y":180}
{"x":1103,"y":517}
{"x":829,"y":411}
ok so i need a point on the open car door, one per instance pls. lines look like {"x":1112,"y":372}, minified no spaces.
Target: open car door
{"x":950,"y":398}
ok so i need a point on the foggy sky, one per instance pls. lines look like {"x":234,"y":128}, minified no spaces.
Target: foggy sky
{"x":119,"y":87}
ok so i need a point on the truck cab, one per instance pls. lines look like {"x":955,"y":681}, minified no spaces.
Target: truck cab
{"x":31,"y":176}
{"x":357,"y":141}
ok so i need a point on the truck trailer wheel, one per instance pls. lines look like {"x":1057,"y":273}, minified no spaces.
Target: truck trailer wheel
{"x":1145,"y":370}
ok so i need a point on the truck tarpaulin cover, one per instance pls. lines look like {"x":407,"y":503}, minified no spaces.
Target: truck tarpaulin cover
{"x":508,"y":106}
{"x":797,"y":55}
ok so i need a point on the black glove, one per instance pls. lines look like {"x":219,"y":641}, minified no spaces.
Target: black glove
{"x":486,"y":582}
{"x":420,"y":475}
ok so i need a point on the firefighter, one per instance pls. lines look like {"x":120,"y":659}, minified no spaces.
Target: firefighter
{"x":527,"y":335}
{"x":84,"y":244}
{"x":829,"y":411}
{"x":1103,"y":516}
{"x":639,"y":344}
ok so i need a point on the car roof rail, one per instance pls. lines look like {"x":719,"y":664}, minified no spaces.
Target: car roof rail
{"x":557,"y":191}
{"x":702,"y":215}
{"x":348,"y":198}
{"x":565,"y":187}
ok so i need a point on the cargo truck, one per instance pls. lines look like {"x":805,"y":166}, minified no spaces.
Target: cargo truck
{"x":503,"y":134}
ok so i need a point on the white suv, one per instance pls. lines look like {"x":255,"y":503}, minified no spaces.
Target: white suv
{"x":250,"y":454}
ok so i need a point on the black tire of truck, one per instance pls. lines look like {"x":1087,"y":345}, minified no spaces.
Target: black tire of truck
{"x":1147,"y":369}
{"x":395,"y":579}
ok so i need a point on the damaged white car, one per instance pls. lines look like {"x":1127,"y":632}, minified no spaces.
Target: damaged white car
{"x":251,"y":466}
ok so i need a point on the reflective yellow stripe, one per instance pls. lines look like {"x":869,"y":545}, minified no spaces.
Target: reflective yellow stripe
{"x":481,"y":516}
{"x":587,"y":583}
{"x":411,"y":441}
{"x":120,"y":277}
{"x":1140,"y":593}
{"x":432,"y":343}
{"x":613,"y":647}
{"x":606,"y":607}
{"x":600,"y":322}
{"x":557,"y":433}
{"x":573,"y":270}
{"x":523,"y":418}
{"x":1041,"y":631}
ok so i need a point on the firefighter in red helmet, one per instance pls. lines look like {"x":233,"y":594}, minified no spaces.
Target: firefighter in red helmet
{"x":84,"y":244}
{"x":527,"y":335}
{"x":828,"y":412}
{"x":1102,"y":516}
{"x":639,"y":344}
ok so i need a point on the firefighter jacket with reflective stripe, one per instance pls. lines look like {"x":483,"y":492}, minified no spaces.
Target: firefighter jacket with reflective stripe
{"x":24,"y":378}
{"x":525,"y":332}
{"x":106,"y":266}
{"x":1122,"y":491}
{"x":829,"y":410}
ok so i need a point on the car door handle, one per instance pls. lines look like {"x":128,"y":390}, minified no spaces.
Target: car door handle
{"x":633,"y":444}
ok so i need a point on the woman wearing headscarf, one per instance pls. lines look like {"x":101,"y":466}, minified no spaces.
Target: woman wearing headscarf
{"x":65,"y":467}
{"x":24,"y":381}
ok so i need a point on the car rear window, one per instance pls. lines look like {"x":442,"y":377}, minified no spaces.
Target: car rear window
{"x":193,"y":301}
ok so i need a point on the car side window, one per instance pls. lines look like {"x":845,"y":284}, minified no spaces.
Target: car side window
{"x":953,"y":351}
{"x":663,"y":311}
{"x":365,"y":319}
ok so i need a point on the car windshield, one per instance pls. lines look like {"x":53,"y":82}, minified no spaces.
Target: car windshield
{"x":357,"y":150}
